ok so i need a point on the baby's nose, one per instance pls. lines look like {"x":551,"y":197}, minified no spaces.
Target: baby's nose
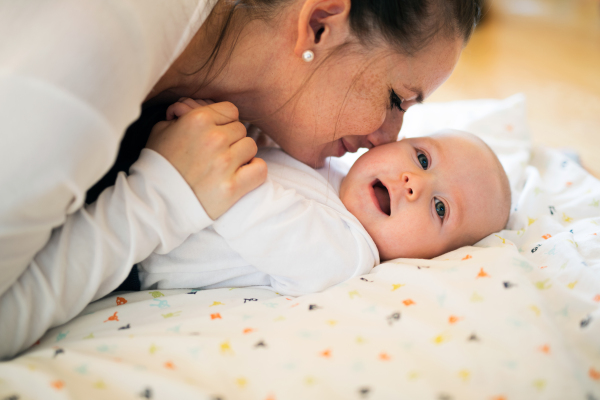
{"x":413,"y":186}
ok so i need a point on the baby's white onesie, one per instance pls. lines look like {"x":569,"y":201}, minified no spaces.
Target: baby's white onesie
{"x":292,"y":234}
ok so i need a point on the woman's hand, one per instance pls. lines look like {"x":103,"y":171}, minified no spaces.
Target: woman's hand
{"x":207,"y":144}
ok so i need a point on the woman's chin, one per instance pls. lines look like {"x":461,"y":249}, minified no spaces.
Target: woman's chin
{"x":316,"y":158}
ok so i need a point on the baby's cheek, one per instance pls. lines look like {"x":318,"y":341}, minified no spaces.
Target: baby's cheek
{"x":390,"y":248}
{"x":352,"y":204}
{"x":357,"y":206}
{"x":344,"y":190}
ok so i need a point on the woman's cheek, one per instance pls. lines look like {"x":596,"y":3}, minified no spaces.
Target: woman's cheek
{"x":362,"y":119}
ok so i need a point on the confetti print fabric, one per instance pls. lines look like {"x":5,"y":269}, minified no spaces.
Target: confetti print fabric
{"x":514,"y":317}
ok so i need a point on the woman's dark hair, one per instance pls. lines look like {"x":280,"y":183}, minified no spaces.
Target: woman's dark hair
{"x":408,"y":25}
{"x":411,"y":24}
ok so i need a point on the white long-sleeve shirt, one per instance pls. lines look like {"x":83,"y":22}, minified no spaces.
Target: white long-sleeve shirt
{"x":292,"y":234}
{"x":73,"y":75}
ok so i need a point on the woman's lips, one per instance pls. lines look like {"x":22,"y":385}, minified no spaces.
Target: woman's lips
{"x":348,"y":146}
{"x":344,"y":147}
{"x":341,"y":149}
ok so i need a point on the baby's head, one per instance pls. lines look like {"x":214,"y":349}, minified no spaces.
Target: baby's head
{"x":425,"y":196}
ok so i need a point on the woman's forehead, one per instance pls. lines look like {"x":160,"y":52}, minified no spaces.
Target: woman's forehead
{"x":428,"y":69}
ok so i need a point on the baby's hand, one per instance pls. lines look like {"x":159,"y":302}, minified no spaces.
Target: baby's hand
{"x":207,"y":144}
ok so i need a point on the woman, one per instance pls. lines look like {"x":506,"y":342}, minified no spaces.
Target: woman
{"x":321,"y":77}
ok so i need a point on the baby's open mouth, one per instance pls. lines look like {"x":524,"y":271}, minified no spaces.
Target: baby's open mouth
{"x":382,"y":195}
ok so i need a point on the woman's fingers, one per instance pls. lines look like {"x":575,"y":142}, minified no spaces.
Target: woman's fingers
{"x":184,"y":105}
{"x":242,"y":152}
{"x":208,"y":146}
{"x":223,"y":113}
{"x":251,"y":175}
{"x":217,"y":114}
{"x":177,"y":110}
{"x":235,"y":131}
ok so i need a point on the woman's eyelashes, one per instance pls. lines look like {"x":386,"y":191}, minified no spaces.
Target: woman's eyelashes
{"x":440,"y":208}
{"x":395,"y":101}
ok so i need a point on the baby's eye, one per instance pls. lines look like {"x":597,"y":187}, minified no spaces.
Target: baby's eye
{"x":423,"y":160}
{"x":440,"y":208}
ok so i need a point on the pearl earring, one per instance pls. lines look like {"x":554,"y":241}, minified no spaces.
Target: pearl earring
{"x":308,"y":56}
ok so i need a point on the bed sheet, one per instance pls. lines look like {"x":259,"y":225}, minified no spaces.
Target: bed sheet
{"x":514,"y":317}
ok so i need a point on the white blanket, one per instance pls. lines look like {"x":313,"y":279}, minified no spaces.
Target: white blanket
{"x":514,"y":317}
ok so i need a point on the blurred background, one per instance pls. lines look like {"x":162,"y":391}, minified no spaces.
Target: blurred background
{"x":549,"y":50}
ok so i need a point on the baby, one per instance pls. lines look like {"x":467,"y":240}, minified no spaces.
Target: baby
{"x":425,"y":196}
{"x":304,"y":230}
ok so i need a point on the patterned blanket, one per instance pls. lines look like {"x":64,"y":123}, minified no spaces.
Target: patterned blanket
{"x":515,"y":317}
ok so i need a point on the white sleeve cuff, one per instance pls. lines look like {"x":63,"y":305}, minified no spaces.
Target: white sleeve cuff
{"x":183,"y":206}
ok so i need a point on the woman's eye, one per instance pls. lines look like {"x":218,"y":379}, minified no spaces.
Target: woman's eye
{"x":423,"y":160}
{"x":395,"y":101}
{"x":440,"y":208}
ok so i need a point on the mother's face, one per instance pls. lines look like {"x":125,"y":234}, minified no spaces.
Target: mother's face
{"x":357,"y":100}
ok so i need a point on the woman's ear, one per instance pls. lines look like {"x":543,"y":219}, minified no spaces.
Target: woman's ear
{"x":322,"y":25}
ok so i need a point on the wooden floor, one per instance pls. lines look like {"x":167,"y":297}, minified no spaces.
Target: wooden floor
{"x":549,"y":50}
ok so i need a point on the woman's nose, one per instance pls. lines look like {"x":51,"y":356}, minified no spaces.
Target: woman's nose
{"x":413,"y":186}
{"x":387,"y":133}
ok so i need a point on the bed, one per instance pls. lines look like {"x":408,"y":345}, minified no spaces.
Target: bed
{"x":514,"y":317}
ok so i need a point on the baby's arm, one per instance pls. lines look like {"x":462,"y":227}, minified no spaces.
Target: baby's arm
{"x":304,"y":245}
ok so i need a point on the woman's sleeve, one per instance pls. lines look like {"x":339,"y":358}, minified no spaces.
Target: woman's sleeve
{"x":72,"y":77}
{"x":55,"y":256}
{"x":303,"y":245}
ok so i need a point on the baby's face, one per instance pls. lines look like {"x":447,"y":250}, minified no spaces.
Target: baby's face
{"x":422,"y":197}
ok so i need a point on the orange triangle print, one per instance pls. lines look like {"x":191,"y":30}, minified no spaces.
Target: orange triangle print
{"x":482,"y":274}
